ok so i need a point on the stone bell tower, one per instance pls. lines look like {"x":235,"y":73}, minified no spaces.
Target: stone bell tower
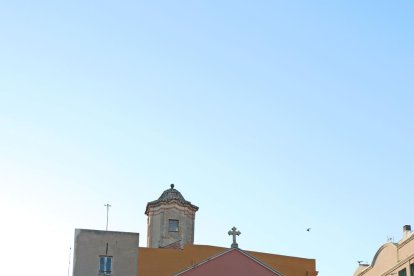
{"x":170,"y":221}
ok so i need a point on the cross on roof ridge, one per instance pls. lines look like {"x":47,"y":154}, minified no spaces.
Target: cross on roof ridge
{"x":234,"y":232}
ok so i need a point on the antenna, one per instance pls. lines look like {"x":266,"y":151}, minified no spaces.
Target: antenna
{"x":70,"y":253}
{"x":107,"y":213}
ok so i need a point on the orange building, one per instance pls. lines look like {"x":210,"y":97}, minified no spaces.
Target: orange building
{"x":169,"y":262}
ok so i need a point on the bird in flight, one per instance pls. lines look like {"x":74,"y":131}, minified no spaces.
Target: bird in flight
{"x":308,"y":229}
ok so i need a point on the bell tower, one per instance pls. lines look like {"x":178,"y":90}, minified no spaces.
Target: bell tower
{"x":170,"y":222}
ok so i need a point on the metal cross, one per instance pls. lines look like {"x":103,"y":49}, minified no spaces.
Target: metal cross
{"x":234,"y":232}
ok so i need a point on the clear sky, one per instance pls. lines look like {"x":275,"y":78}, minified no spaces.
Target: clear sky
{"x":271,"y":116}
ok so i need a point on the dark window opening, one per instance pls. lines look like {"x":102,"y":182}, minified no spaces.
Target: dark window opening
{"x":173,"y":225}
{"x":402,"y":272}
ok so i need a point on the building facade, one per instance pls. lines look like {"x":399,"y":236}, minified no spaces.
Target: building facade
{"x":105,"y":253}
{"x":171,"y":250}
{"x":392,"y":258}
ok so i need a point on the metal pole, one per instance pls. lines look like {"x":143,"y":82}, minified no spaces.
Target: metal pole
{"x":70,"y":253}
{"x":107,"y":214}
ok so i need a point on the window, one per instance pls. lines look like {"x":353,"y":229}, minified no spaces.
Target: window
{"x":412,"y":269}
{"x":105,"y":265}
{"x":402,"y":272}
{"x":173,"y":225}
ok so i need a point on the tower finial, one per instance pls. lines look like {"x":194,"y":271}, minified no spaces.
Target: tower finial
{"x":172,"y":186}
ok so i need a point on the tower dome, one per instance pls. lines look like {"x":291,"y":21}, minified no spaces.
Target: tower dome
{"x":169,"y":196}
{"x":170,"y":220}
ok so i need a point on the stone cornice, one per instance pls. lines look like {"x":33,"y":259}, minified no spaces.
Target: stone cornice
{"x":406,"y":241}
{"x":154,"y":204}
{"x":155,"y":210}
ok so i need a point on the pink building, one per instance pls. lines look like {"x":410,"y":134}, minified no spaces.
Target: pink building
{"x":230,"y":262}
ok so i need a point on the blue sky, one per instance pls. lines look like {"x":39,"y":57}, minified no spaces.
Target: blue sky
{"x":272,"y":116}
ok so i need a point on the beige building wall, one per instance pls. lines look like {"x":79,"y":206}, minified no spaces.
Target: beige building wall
{"x":91,"y":244}
{"x":392,"y":258}
{"x":158,"y":224}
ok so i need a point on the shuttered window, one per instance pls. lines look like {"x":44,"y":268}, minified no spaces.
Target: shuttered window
{"x":402,"y":272}
{"x":105,"y":265}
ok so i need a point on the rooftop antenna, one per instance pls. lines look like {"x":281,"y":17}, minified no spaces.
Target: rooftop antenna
{"x":70,"y":254}
{"x":107,"y":213}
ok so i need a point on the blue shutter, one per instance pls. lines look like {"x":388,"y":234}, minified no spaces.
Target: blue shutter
{"x":108,"y":265}
{"x":101,"y":264}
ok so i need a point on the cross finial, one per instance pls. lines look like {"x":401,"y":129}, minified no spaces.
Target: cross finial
{"x":234,"y":232}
